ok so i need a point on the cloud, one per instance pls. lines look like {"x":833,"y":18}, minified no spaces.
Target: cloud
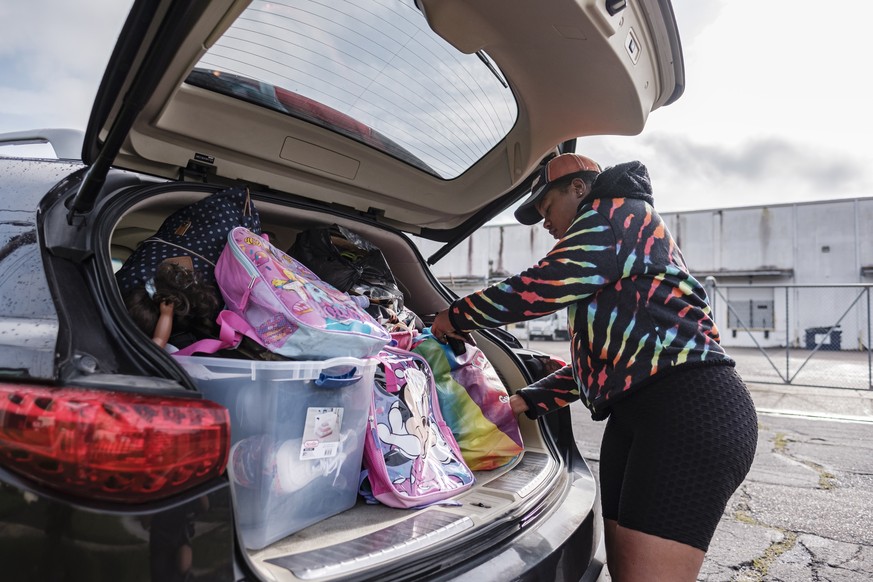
{"x":62,"y":35}
{"x":52,"y":57}
{"x":693,"y":17}
{"x":690,"y":173}
{"x":759,"y":159}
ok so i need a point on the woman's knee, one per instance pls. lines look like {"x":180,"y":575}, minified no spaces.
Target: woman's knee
{"x":634,"y":556}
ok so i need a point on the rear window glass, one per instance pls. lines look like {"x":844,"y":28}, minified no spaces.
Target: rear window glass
{"x":371,"y":70}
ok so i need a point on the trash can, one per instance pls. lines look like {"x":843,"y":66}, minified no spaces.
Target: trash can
{"x":832,"y":341}
{"x":836,"y":341}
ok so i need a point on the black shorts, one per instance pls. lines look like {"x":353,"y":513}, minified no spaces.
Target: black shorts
{"x":674,"y":453}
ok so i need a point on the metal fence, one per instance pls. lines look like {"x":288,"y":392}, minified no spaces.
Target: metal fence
{"x":802,"y":335}
{"x":805,"y":335}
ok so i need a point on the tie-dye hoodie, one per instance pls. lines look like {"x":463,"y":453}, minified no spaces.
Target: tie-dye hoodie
{"x":635,"y":312}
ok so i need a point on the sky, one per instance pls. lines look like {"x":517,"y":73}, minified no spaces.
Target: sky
{"x":774,"y":109}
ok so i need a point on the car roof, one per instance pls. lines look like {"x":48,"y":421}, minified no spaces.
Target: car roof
{"x":428,"y":116}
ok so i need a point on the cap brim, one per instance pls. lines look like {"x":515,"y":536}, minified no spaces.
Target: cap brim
{"x":527,"y":213}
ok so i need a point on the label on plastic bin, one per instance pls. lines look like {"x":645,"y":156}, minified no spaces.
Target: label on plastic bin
{"x":321,"y":434}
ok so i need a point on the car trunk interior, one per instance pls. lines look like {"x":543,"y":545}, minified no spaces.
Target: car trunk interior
{"x":371,"y":535}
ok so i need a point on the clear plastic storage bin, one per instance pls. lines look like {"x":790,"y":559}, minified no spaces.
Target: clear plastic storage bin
{"x":297,"y":437}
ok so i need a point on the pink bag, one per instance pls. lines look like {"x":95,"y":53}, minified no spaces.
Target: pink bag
{"x":411,"y":458}
{"x":285,"y":307}
{"x":403,"y":338}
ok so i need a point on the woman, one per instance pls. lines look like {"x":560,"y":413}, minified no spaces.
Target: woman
{"x":645,"y":354}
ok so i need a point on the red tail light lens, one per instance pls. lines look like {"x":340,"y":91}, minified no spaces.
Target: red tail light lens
{"x":113,"y":446}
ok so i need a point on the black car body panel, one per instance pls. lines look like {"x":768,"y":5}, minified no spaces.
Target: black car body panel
{"x":45,"y":537}
{"x":29,"y":319}
{"x":45,"y":534}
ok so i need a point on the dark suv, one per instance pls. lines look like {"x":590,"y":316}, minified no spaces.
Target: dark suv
{"x":393,"y":118}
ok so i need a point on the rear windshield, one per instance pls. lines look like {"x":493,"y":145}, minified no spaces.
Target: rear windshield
{"x":369,"y":69}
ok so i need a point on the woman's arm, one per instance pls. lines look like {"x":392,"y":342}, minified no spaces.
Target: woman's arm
{"x":551,"y":393}
{"x":579,"y":265}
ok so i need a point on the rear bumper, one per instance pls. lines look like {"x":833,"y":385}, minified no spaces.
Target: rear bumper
{"x":45,"y":537}
{"x":566,"y":545}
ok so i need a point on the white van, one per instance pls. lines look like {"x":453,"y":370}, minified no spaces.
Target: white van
{"x":550,"y":327}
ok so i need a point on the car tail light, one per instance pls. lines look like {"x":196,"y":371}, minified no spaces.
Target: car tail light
{"x":114,"y":446}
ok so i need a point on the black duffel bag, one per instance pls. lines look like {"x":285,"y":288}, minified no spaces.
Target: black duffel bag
{"x":348,"y":262}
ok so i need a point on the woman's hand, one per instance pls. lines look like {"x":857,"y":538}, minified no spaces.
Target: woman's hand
{"x":441,"y":325}
{"x":442,"y":329}
{"x":518,"y":404}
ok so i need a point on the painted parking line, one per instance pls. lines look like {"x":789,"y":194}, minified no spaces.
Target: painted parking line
{"x":816,"y":415}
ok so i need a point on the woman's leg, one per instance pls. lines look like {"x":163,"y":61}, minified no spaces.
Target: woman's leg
{"x":609,"y":534}
{"x":639,"y":557}
{"x":671,"y":457}
{"x":614,"y":448}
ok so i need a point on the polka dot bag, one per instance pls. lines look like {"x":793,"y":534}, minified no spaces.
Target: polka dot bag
{"x":197,"y":231}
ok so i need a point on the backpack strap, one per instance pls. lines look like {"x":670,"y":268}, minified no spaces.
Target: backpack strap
{"x":233,"y":327}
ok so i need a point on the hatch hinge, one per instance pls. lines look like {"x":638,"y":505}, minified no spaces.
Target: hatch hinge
{"x":199,"y":169}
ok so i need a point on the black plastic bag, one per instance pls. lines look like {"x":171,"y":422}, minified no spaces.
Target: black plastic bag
{"x":348,"y":262}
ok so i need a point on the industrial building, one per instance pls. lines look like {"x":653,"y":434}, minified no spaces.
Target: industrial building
{"x":795,"y":275}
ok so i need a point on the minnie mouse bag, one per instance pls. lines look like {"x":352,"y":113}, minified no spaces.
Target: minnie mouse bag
{"x":411,"y":458}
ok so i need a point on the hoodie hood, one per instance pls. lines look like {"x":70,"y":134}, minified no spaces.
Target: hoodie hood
{"x":627,"y":180}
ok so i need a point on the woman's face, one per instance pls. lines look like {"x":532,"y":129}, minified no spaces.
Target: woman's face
{"x":558,"y":207}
